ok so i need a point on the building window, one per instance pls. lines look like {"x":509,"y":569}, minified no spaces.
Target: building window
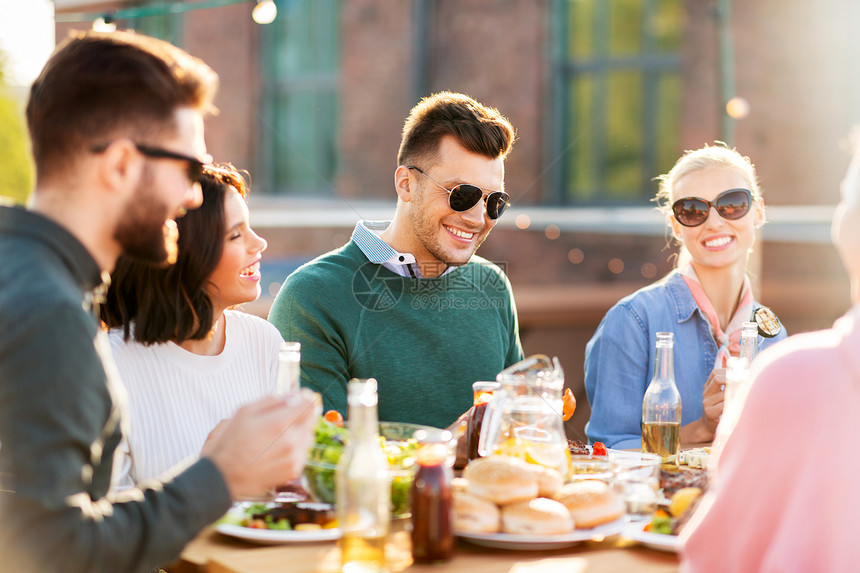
{"x":166,"y":26}
{"x":300,"y":108}
{"x":618,"y":97}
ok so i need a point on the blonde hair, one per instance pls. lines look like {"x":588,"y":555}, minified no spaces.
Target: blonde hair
{"x":707,"y":157}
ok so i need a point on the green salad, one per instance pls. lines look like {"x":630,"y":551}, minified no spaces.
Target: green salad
{"x":328,"y":446}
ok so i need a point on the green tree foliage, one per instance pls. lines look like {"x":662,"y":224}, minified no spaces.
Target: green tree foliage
{"x":16,"y":165}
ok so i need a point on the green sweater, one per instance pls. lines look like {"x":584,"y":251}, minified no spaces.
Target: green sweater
{"x":424,"y":340}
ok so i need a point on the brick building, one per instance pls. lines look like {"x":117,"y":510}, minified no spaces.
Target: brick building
{"x":605,"y":94}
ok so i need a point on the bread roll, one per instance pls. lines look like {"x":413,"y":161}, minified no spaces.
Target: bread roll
{"x":549,"y":480}
{"x":459,"y":484}
{"x":590,"y":502}
{"x":473,"y":514}
{"x":501,"y":479}
{"x":539,"y":516}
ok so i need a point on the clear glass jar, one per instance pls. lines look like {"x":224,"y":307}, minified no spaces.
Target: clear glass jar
{"x":661,"y":406}
{"x":524,"y":417}
{"x":363,"y":484}
{"x":749,"y":341}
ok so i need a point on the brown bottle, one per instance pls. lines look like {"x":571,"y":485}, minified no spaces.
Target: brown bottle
{"x":483,"y":392}
{"x":432,"y":503}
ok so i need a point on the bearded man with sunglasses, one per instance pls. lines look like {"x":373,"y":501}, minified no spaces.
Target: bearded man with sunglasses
{"x":116,"y":124}
{"x":713,"y":205}
{"x":407,"y":301}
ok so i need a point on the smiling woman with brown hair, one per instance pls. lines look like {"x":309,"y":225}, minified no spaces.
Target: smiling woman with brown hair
{"x":187,"y":359}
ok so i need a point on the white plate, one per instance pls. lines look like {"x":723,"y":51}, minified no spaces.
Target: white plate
{"x":660,"y":541}
{"x":541,"y":542}
{"x":277,"y":536}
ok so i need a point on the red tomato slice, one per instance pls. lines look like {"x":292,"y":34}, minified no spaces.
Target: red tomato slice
{"x":334,"y":417}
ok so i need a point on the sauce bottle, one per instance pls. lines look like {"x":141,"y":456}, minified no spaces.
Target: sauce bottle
{"x":483,"y":393}
{"x":363,"y":484}
{"x":432,"y":505}
{"x":661,"y":406}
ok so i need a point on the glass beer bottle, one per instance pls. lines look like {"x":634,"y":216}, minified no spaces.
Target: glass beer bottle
{"x":661,"y":406}
{"x":363,"y":485}
{"x":432,"y":498}
{"x":289,"y":372}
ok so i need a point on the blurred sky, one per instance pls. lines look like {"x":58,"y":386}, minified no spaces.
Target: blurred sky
{"x":26,"y":37}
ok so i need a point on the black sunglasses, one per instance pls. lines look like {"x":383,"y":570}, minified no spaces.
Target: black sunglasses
{"x":464,"y":196}
{"x":693,"y":211}
{"x":195,"y":165}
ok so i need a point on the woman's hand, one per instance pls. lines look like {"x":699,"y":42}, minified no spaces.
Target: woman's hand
{"x":703,"y":429}
{"x":713,"y":398}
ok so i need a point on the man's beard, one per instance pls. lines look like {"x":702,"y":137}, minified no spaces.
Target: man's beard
{"x":142,"y":232}
{"x":427,"y":232}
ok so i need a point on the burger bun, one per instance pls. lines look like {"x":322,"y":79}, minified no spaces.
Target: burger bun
{"x":549,"y":480}
{"x":590,"y":503}
{"x":540,"y":516}
{"x":501,"y":479}
{"x":473,"y":514}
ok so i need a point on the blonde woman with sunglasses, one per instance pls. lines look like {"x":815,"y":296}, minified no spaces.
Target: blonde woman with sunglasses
{"x":713,"y":206}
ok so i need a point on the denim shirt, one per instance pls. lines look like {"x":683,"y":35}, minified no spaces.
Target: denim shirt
{"x":619,"y":359}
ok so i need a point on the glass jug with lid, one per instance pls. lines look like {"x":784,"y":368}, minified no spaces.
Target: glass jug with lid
{"x":524,"y":417}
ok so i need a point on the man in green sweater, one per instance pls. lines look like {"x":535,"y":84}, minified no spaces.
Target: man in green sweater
{"x":407,"y":301}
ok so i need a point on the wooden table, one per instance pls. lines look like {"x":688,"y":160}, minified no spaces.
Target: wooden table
{"x":212,"y":552}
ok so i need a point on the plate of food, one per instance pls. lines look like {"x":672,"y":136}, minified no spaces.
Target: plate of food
{"x":504,"y":502}
{"x":544,"y":542}
{"x":660,"y":541}
{"x":662,"y":531}
{"x":275,"y":523}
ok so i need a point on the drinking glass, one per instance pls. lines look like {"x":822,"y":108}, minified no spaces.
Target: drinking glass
{"x":589,"y":467}
{"x":637,"y":480}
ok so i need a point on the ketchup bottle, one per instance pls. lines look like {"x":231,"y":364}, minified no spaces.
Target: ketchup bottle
{"x":432,"y":506}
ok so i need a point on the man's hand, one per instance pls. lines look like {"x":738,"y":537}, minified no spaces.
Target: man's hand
{"x":265,"y":444}
{"x":459,"y":429}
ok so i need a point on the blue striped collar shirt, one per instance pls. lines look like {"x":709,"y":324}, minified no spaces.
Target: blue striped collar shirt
{"x":368,"y":236}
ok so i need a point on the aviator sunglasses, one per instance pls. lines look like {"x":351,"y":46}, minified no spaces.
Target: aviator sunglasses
{"x":195,"y":165}
{"x":693,"y":211}
{"x":464,"y":196}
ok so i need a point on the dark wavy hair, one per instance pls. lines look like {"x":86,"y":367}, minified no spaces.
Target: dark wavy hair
{"x":158,"y":303}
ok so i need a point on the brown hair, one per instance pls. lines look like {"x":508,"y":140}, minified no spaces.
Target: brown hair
{"x":164,"y":303}
{"x":97,"y":86}
{"x":480,"y":129}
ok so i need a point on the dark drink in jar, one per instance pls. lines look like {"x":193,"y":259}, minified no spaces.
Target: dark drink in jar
{"x":483,"y":393}
{"x":432,"y":503}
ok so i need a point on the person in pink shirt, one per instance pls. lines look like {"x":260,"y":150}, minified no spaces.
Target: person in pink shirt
{"x":783,"y":497}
